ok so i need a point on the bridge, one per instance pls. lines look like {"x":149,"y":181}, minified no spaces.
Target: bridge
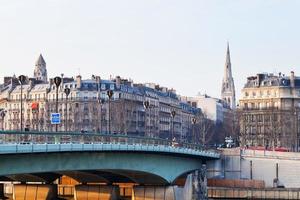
{"x":97,"y":158}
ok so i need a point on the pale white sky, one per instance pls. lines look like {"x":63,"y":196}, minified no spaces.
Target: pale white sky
{"x":175,"y":43}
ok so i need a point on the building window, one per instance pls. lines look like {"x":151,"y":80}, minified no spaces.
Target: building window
{"x":112,"y":86}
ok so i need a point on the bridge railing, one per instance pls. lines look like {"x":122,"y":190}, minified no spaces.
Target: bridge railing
{"x":31,"y":137}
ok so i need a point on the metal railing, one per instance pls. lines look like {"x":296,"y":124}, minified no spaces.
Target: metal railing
{"x":31,"y":137}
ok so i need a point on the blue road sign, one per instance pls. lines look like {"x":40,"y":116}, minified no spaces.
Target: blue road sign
{"x":55,"y":118}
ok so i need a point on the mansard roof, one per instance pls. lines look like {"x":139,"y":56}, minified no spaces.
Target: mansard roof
{"x":270,"y":80}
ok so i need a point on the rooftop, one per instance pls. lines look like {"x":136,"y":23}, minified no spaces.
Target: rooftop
{"x":272,"y":80}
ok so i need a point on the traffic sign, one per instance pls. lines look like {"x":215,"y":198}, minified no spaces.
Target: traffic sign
{"x":55,"y":118}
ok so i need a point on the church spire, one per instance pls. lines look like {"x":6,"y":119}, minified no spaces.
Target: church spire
{"x":228,"y":89}
{"x":227,"y":68}
{"x":40,"y":71}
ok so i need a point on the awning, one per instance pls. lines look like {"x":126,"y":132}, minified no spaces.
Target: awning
{"x":35,"y":106}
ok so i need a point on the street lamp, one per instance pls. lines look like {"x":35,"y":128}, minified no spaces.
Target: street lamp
{"x":57,"y":81}
{"x":110,"y":93}
{"x":193,"y":130}
{"x":100,"y":101}
{"x":146,"y":106}
{"x":2,"y":115}
{"x":296,"y":129}
{"x":173,"y":113}
{"x":22,"y":80}
{"x":67,"y":92}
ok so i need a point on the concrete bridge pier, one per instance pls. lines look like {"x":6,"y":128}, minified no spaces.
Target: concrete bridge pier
{"x":195,"y":188}
{"x":34,"y":191}
{"x":95,"y":192}
{"x":154,"y":193}
{"x":196,"y":185}
{"x":2,"y":191}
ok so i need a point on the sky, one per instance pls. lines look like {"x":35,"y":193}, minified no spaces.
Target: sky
{"x":175,"y":43}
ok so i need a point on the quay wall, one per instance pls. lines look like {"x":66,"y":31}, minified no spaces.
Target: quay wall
{"x":274,"y":168}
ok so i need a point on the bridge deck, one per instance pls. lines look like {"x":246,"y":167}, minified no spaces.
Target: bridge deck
{"x":44,"y":148}
{"x":13,"y":142}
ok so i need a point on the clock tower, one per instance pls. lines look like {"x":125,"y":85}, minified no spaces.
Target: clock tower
{"x":228,"y":90}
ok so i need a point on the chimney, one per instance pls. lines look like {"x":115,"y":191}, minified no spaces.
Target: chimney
{"x":31,"y":83}
{"x":259,"y":78}
{"x":98,"y":79}
{"x":118,"y":82}
{"x":78,"y":81}
{"x":292,"y":79}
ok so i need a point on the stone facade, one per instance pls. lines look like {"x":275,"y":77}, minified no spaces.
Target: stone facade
{"x":269,"y":111}
{"x":88,"y":107}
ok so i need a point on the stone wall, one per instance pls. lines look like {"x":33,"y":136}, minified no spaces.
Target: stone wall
{"x":274,"y":168}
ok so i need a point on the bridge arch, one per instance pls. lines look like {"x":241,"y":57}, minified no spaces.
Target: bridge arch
{"x":139,"y":167}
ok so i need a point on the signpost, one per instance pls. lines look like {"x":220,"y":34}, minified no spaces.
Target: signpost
{"x":55,"y":118}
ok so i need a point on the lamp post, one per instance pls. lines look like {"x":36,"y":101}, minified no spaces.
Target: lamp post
{"x":296,"y":129}
{"x":173,"y":113}
{"x":2,"y":115}
{"x":57,"y":81}
{"x":67,"y":92}
{"x":22,"y":80}
{"x":47,"y":111}
{"x":110,"y":93}
{"x":146,"y":106}
{"x":193,"y":130}
{"x":100,"y":101}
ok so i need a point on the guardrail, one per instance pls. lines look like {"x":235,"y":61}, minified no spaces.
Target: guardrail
{"x":16,"y":140}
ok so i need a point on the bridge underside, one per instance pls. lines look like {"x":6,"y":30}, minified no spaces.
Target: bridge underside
{"x":92,"y":176}
{"x":97,"y":167}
